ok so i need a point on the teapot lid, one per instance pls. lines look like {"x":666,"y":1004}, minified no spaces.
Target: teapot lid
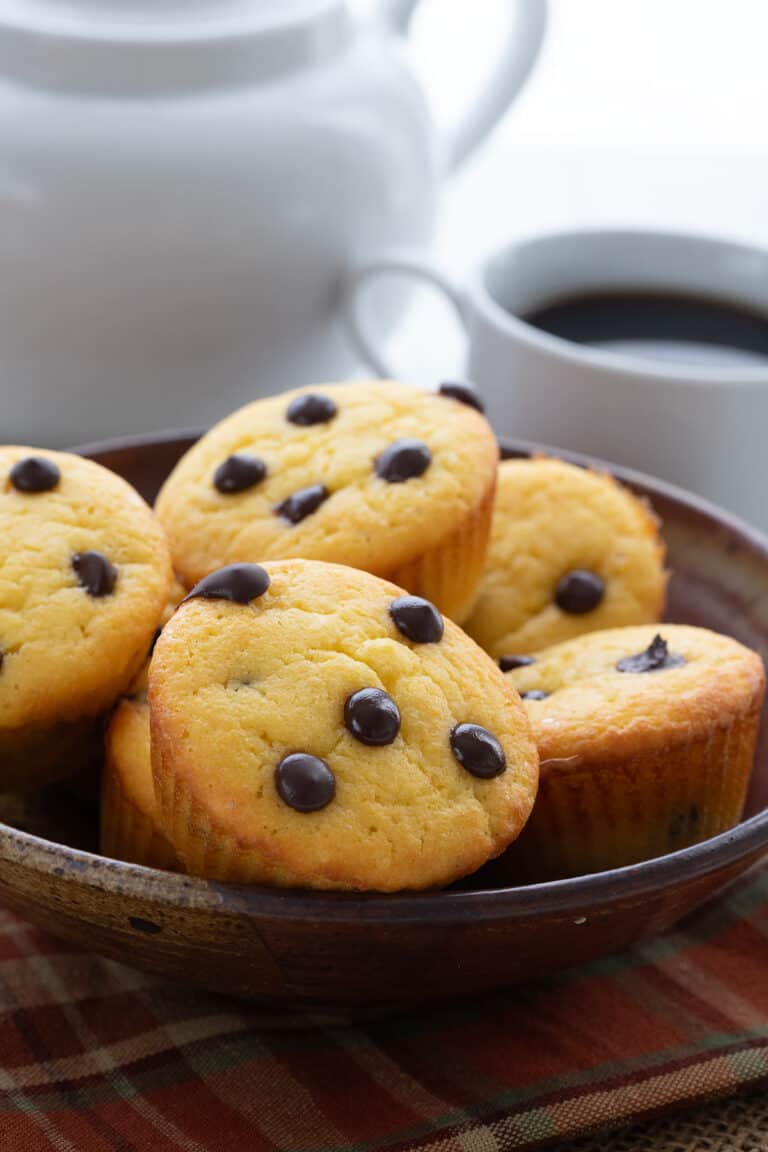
{"x":164,"y":45}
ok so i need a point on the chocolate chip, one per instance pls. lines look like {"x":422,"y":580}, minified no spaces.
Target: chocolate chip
{"x":656,"y":658}
{"x":579,"y":592}
{"x":477,"y":750}
{"x":239,"y":583}
{"x":417,"y":619}
{"x":534,"y":694}
{"x":305,"y":782}
{"x":404,"y":460}
{"x":238,"y":473}
{"x":509,"y":663}
{"x":312,"y":408}
{"x":372,"y":717}
{"x":95,"y":573}
{"x":303,"y":503}
{"x":2,"y":659}
{"x":35,"y":474}
{"x":464,"y":393}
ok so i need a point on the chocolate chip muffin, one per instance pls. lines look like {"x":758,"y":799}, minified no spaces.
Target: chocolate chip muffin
{"x":572,"y":551}
{"x":646,"y":737}
{"x":378,"y":476}
{"x":315,"y":726}
{"x":130,"y":829}
{"x":84,"y":576}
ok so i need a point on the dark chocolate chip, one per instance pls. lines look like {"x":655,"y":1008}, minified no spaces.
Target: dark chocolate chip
{"x":580,"y":592}
{"x":656,"y":658}
{"x":239,"y":583}
{"x":303,"y":503}
{"x":312,"y":408}
{"x":509,"y":663}
{"x":238,"y":473}
{"x":95,"y":573}
{"x":534,"y":694}
{"x":477,"y":750}
{"x":35,"y":474}
{"x":2,"y":659}
{"x":305,"y":782}
{"x":464,"y":393}
{"x":404,"y":460}
{"x":372,"y":717}
{"x":417,"y":619}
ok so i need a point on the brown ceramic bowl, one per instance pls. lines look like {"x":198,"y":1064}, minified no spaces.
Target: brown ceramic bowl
{"x":310,"y":957}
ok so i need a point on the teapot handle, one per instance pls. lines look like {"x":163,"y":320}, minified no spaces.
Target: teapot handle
{"x":518,"y":55}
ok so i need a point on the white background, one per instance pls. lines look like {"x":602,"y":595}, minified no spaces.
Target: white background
{"x":638,"y":112}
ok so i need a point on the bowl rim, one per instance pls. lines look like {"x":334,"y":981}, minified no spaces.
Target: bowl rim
{"x":572,"y":897}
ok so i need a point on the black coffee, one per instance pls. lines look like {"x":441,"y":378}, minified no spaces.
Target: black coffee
{"x":657,"y":326}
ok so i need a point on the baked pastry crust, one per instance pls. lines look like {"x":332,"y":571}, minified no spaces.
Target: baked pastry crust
{"x":237,"y":688}
{"x":550,"y":519}
{"x":636,"y":764}
{"x":84,"y":575}
{"x":428,"y":532}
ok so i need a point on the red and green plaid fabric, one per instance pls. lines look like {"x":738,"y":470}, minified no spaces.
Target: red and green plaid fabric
{"x":95,"y":1057}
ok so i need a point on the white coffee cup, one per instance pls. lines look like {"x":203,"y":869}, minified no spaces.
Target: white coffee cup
{"x":704,"y":427}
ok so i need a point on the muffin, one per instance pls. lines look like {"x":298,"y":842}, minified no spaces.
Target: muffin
{"x":378,"y":476}
{"x":315,"y":726}
{"x":129,"y":823}
{"x":646,"y":737}
{"x":84,"y":576}
{"x":572,"y":551}
{"x":139,"y":684}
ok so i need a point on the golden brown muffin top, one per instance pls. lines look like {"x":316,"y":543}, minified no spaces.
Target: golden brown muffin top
{"x":572,"y":551}
{"x":370,"y":474}
{"x":236,"y":688}
{"x":609,"y":694}
{"x":84,"y":575}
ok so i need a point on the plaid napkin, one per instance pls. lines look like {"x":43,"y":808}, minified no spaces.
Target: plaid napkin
{"x":95,"y":1057}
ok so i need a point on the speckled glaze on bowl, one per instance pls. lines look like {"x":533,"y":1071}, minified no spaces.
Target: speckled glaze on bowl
{"x":310,"y":958}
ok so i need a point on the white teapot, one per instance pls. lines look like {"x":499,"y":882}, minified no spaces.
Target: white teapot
{"x":183,"y":184}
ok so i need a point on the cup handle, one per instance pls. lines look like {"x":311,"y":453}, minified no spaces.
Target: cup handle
{"x":391,"y":264}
